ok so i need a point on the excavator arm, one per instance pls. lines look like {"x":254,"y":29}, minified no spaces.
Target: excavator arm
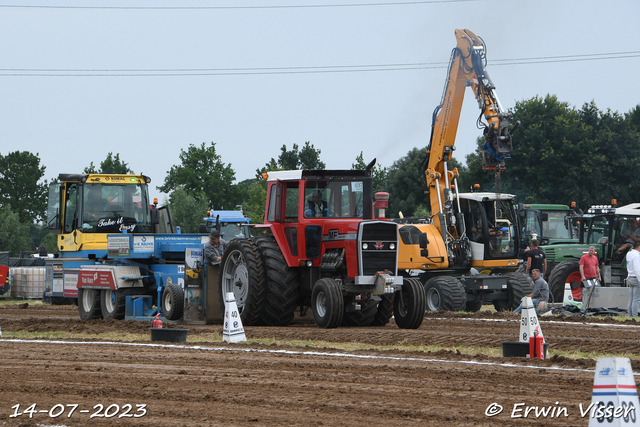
{"x":466,"y":69}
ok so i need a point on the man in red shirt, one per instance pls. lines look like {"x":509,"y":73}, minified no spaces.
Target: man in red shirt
{"x":589,"y":265}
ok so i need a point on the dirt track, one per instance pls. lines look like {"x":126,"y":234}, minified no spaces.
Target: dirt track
{"x":216,"y":383}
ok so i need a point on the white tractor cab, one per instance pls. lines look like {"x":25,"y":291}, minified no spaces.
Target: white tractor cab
{"x":490,"y":217}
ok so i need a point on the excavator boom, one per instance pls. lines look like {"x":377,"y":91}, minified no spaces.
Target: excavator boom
{"x":467,"y":68}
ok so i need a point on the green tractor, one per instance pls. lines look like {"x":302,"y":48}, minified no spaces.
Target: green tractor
{"x":552,"y":226}
{"x":603,"y":227}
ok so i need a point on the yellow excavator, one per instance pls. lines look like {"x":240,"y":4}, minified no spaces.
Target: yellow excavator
{"x":466,"y":252}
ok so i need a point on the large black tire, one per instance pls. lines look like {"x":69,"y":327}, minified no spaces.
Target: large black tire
{"x":282,"y":284}
{"x":445,"y":293}
{"x":518,"y":286}
{"x":409,"y":304}
{"x":565,"y":272}
{"x":473,"y":306}
{"x":363,"y":317}
{"x":89,"y":304}
{"x":327,"y":303}
{"x":112,"y":303}
{"x":173,"y":302}
{"x":242,"y":272}
{"x":384,"y":311}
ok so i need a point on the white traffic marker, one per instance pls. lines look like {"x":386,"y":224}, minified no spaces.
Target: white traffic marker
{"x":232,"y":330}
{"x":568,"y":295}
{"x":614,"y":401}
{"x":528,"y":320}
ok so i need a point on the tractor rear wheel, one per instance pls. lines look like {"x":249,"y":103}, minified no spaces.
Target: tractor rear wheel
{"x":327,"y":303}
{"x":89,"y":304}
{"x":112,"y":303}
{"x":242,"y":272}
{"x":173,"y":302}
{"x":445,"y":293}
{"x":282,"y":284}
{"x":409,"y":304}
{"x":566,"y":272}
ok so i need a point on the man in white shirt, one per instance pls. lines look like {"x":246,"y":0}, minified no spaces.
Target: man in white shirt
{"x":633,"y":276}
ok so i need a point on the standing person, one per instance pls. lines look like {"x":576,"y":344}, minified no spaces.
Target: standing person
{"x":590,"y":266}
{"x":633,"y":268}
{"x":536,"y":259}
{"x":540,"y":291}
{"x":214,"y":248}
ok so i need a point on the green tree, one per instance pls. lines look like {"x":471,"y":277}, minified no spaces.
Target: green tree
{"x":553,"y":158}
{"x":187,"y":210}
{"x":255,"y":191}
{"x":633,"y":118}
{"x":472,"y":173}
{"x":203,"y":174}
{"x":111,"y":165}
{"x":378,"y":173}
{"x":307,"y":159}
{"x":405,"y":184}
{"x":562,"y":154}
{"x":14,"y":235}
{"x":617,"y":151}
{"x":20,"y":173}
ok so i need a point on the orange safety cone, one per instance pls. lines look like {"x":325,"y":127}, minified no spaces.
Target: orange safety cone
{"x":157,"y":323}
{"x":536,"y":345}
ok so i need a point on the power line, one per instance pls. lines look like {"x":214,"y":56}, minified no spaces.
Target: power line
{"x":176,"y":72}
{"x":402,"y":3}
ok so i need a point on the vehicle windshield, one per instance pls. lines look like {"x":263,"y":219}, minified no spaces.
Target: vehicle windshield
{"x":231,"y":230}
{"x":597,"y":229}
{"x":333,"y":199}
{"x":491,"y":223}
{"x":112,"y":208}
{"x":557,"y":227}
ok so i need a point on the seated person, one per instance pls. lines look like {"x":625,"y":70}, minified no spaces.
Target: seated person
{"x":540,"y":292}
{"x":316,"y":207}
{"x":95,"y":205}
{"x":632,"y":235}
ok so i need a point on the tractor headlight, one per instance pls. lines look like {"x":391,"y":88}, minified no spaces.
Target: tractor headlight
{"x":365,"y":246}
{"x":392,"y":246}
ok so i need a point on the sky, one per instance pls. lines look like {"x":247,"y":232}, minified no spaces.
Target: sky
{"x":147,"y":79}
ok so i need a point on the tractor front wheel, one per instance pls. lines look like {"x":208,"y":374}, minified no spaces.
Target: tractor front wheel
{"x":409,"y":304}
{"x":327,"y":303}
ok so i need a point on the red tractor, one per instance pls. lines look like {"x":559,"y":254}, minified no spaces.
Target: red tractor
{"x":321,"y":248}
